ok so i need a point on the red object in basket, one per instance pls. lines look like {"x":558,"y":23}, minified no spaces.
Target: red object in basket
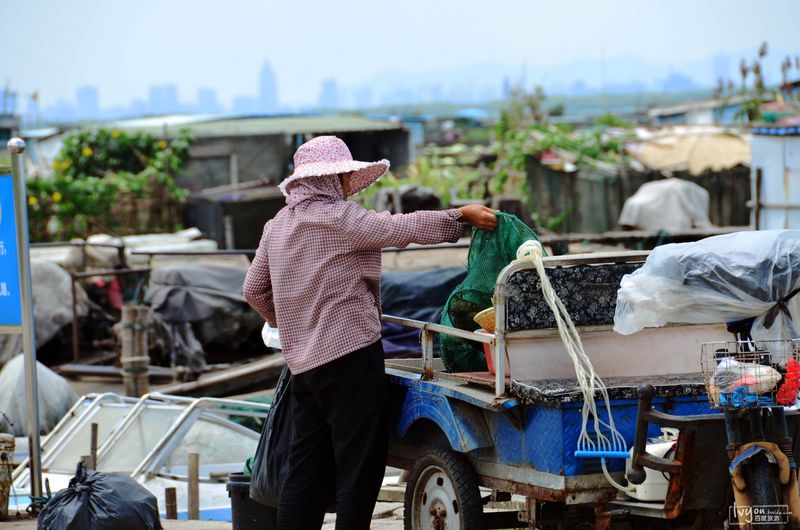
{"x":487,"y":351}
{"x":787,"y":393}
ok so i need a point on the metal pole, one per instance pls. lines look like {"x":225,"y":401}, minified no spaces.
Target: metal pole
{"x":16,"y":146}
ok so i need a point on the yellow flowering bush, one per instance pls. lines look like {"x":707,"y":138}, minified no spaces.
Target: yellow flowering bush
{"x":109,"y":178}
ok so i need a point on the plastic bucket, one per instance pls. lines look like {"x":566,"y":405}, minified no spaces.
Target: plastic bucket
{"x":247,"y":514}
{"x":487,"y":351}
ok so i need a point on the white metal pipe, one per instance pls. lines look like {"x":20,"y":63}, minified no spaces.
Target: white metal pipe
{"x":438,"y":328}
{"x":16,"y":146}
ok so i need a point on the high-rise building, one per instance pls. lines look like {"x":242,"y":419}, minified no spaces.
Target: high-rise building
{"x":207,"y":102}
{"x":362,"y":99}
{"x":163,"y":99}
{"x":87,"y":102}
{"x":678,"y":82}
{"x":267,"y":89}
{"x":507,"y":87}
{"x":246,"y":105}
{"x":329,"y":94}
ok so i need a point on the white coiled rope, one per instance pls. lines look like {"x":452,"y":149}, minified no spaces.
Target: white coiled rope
{"x":588,"y":381}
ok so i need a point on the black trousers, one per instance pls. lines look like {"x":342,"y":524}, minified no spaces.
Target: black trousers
{"x":339,"y":441}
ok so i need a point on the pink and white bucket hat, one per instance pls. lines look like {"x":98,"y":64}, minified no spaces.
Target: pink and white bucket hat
{"x":328,"y":155}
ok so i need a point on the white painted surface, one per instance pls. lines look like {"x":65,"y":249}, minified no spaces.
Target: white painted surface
{"x":650,"y":352}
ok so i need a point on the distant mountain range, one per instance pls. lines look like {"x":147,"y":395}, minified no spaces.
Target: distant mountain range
{"x":622,"y":74}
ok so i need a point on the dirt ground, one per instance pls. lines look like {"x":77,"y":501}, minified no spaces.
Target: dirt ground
{"x":387,"y":515}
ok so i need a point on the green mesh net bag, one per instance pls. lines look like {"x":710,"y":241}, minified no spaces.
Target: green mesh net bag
{"x":489,"y":253}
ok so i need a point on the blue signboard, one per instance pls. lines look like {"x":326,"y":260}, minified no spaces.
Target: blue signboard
{"x":10,"y":297}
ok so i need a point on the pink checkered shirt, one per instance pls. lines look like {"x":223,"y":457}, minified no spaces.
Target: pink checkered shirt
{"x":316,"y":274}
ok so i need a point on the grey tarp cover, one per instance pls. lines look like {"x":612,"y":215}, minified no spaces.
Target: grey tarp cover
{"x":52,"y":307}
{"x":56,"y":396}
{"x":202,"y":304}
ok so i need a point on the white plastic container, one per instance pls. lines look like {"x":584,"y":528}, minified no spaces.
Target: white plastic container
{"x":655,"y":485}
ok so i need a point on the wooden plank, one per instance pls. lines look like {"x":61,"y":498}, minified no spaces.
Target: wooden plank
{"x":171,"y":502}
{"x":231,"y":380}
{"x":194,"y":487}
{"x":113,"y":372}
{"x":93,"y":446}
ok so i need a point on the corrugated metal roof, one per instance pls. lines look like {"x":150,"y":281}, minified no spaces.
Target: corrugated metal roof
{"x":208,"y":126}
{"x":159,"y":122}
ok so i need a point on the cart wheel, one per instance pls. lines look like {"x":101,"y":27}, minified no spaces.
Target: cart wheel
{"x":442,"y":493}
{"x":762,"y":482}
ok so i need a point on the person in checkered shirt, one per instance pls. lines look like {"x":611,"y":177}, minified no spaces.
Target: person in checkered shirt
{"x":316,"y":277}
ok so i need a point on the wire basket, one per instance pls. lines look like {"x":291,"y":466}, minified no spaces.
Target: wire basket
{"x":747,"y":374}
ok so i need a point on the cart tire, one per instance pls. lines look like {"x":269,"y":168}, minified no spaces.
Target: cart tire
{"x":442,"y":492}
{"x":762,"y":482}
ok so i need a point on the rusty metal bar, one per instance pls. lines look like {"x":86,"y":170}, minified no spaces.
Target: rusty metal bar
{"x":636,"y":473}
{"x":426,"y":340}
{"x":50,"y":244}
{"x":109,"y":272}
{"x":680,"y":483}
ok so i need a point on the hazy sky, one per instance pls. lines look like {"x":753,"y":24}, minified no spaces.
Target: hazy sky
{"x":123,"y":47}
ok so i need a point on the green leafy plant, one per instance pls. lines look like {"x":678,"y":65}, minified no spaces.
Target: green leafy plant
{"x":449,"y":171}
{"x":609,"y":119}
{"x":109,"y":179}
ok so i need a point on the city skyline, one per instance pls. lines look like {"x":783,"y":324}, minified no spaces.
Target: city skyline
{"x":165,"y":98}
{"x":147,"y":56}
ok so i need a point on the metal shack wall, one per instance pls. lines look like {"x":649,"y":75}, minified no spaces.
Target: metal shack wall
{"x":778,"y":159}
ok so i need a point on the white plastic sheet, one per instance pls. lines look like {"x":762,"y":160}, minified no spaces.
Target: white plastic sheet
{"x":720,"y":279}
{"x":271,"y":337}
{"x":670,"y":204}
{"x":56,"y":397}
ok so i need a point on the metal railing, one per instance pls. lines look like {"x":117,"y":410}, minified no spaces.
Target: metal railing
{"x":427,"y":330}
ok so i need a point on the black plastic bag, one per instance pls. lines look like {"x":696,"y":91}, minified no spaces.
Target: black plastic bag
{"x":100,"y":501}
{"x":271,"y":462}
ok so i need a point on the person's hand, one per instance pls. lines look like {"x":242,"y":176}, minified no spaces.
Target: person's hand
{"x":479,"y":216}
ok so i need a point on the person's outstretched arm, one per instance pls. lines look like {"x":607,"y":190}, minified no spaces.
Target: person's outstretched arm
{"x":368,"y":229}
